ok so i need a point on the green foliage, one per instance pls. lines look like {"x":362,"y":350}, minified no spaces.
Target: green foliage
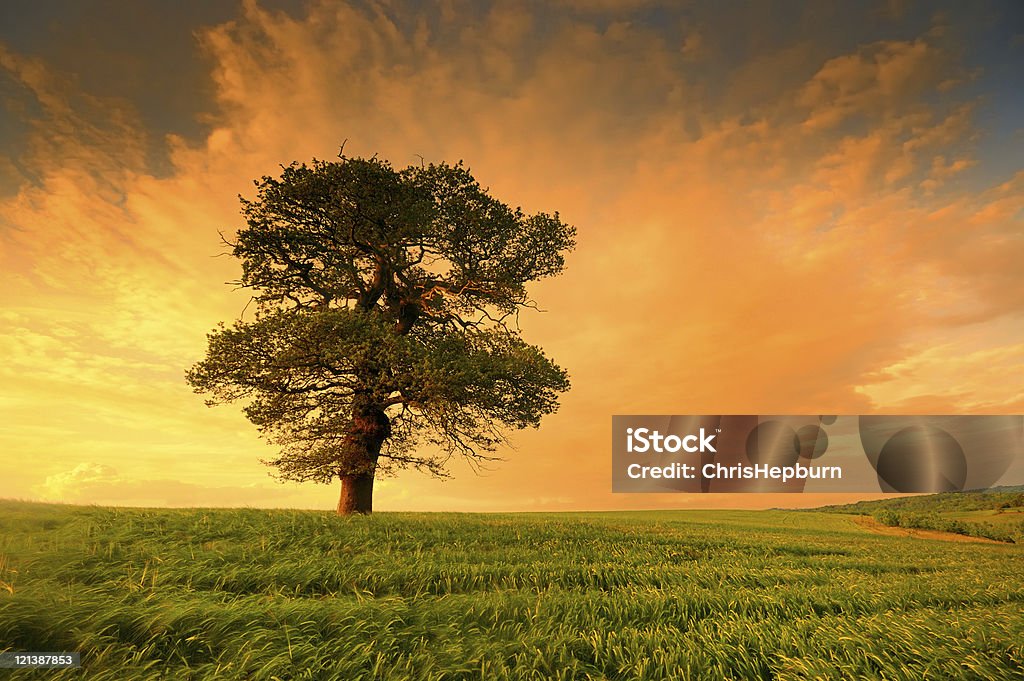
{"x":990,"y":514}
{"x":976,"y":526}
{"x":385,"y":308}
{"x":888,"y":517}
{"x":252,"y":594}
{"x":944,"y":502}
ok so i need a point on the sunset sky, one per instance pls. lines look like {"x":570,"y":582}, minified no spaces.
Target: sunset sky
{"x":786,"y":207}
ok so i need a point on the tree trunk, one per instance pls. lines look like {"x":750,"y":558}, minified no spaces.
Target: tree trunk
{"x":356,"y":494}
{"x":370,"y":428}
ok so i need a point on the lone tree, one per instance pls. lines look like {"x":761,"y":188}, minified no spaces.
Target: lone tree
{"x":385,"y":307}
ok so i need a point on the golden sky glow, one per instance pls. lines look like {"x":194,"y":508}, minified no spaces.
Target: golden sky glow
{"x":776,"y":214}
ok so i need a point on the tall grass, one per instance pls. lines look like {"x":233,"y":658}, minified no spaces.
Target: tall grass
{"x":250,"y":594}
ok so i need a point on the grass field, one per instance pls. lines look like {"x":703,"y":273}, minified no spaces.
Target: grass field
{"x":250,"y":594}
{"x":1007,"y":516}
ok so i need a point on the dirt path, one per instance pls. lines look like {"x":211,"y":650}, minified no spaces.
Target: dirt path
{"x":872,"y":525}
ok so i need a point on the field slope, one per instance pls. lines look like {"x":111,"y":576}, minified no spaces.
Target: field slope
{"x":251,"y":594}
{"x":996,"y":514}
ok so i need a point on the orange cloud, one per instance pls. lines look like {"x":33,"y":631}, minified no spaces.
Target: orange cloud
{"x":876,"y":79}
{"x":773,"y":247}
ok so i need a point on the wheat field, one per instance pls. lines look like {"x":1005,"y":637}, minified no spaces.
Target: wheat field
{"x":257,"y":594}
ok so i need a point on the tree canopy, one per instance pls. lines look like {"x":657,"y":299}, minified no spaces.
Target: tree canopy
{"x":384,"y":321}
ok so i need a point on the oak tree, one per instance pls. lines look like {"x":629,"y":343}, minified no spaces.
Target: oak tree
{"x":383,"y":329}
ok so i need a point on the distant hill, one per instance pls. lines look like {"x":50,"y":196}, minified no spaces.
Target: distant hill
{"x":945,"y":502}
{"x":996,"y":513}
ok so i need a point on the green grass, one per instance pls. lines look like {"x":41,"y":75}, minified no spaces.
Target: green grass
{"x":1007,"y":516}
{"x":251,"y":594}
